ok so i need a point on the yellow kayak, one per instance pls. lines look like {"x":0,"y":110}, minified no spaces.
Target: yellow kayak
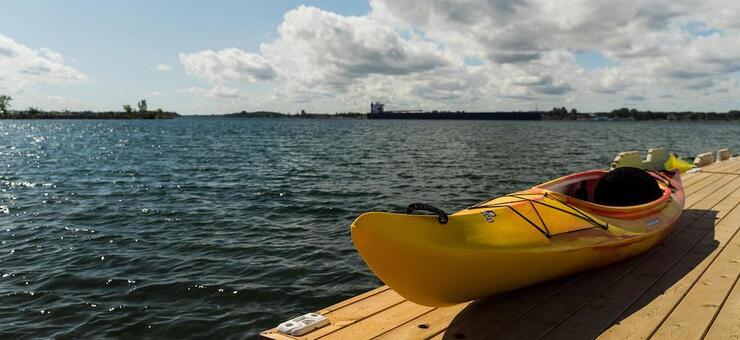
{"x":561,"y":227}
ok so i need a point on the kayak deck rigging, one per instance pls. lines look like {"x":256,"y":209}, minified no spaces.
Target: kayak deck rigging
{"x":543,"y":228}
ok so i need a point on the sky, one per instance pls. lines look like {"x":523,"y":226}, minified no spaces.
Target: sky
{"x":198,"y":57}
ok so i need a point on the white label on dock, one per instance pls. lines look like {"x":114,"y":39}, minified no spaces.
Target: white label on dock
{"x":303,"y":324}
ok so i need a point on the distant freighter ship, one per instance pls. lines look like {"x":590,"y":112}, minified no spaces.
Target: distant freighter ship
{"x":377,"y":112}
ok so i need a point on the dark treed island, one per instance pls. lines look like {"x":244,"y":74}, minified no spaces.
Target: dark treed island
{"x":303,"y":114}
{"x":142,"y":112}
{"x":634,"y":114}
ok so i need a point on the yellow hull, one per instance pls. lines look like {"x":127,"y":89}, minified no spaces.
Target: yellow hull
{"x":509,"y":242}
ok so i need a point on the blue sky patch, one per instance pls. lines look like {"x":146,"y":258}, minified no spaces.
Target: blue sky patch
{"x":592,"y":60}
{"x":473,"y":61}
{"x":700,"y":29}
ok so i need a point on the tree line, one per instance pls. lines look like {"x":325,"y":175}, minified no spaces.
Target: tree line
{"x":127,"y":113}
{"x":562,"y":113}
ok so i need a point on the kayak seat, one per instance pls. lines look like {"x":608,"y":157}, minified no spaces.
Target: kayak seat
{"x":582,"y":192}
{"x":626,"y":186}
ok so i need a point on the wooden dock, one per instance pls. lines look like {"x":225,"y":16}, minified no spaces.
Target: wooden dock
{"x":685,"y":288}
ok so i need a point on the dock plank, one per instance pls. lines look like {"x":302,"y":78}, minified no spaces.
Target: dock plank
{"x":732,"y":167}
{"x":495,"y":314}
{"x":693,"y":180}
{"x":349,"y":313}
{"x":379,"y":323}
{"x":507,"y":307}
{"x":719,"y":167}
{"x":729,"y":166}
{"x":354,"y":299}
{"x":696,"y":311}
{"x":358,"y":311}
{"x":535,"y":322}
{"x":426,"y":325}
{"x":695,"y":196}
{"x":727,"y":323}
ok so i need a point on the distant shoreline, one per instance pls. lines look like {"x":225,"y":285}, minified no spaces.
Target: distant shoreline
{"x":271,"y":114}
{"x":557,"y":114}
{"x":37,"y":114}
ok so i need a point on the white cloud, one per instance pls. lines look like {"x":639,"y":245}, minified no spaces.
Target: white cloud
{"x":155,"y":94}
{"x":326,"y":55}
{"x":21,"y":67}
{"x":227,"y":65}
{"x":163,"y":68}
{"x":223,"y":91}
{"x":316,"y":46}
{"x":648,"y":40}
{"x":191,"y":90}
{"x":51,"y":55}
{"x":412,"y":54}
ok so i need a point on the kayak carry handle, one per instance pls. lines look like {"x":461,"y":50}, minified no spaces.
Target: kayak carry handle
{"x":441,"y":215}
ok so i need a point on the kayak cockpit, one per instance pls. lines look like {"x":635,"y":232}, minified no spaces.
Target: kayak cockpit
{"x":617,"y":191}
{"x":580,"y":186}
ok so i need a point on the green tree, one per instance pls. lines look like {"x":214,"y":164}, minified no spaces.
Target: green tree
{"x":5,"y":103}
{"x":142,"y":105}
{"x":128,"y":108}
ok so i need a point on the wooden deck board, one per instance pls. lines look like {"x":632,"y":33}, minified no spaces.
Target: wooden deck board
{"x":500,"y":313}
{"x":693,"y":180}
{"x":723,"y":167}
{"x":727,"y":323}
{"x":507,"y":307}
{"x":687,"y":287}
{"x":426,"y":325}
{"x":347,"y":314}
{"x":694,"y":197}
{"x":718,"y":167}
{"x":382,"y":322}
{"x":696,"y":311}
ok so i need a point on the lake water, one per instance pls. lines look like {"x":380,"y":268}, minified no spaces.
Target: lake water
{"x":217,"y":227}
